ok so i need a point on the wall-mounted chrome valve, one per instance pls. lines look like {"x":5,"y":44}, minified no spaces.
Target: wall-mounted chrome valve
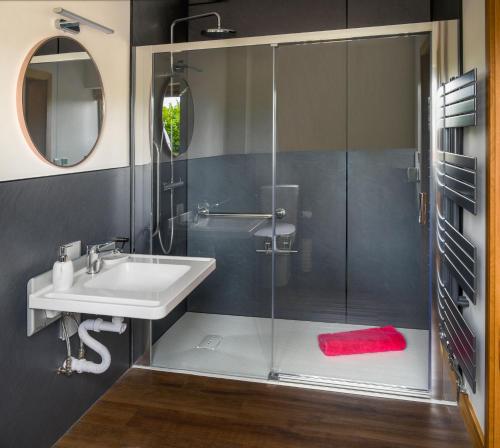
{"x":280,"y":213}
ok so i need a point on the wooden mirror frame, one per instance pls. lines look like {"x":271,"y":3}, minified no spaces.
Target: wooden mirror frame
{"x":20,"y":109}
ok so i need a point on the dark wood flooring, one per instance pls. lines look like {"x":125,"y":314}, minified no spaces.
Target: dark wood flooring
{"x":157,"y":409}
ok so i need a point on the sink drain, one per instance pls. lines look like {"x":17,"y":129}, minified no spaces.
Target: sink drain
{"x":210,"y":342}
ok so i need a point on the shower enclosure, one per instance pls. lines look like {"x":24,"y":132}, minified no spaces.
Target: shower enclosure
{"x":306,"y":175}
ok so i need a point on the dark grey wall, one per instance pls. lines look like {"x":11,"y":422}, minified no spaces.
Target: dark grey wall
{"x":179,"y":238}
{"x":376,"y":277}
{"x":386,"y":265}
{"x":241,"y":283}
{"x":37,"y":215}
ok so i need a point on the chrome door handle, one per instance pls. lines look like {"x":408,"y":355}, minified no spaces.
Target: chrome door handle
{"x":422,"y":208}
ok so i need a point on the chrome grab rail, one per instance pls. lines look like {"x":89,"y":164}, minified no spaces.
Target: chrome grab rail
{"x":236,"y":215}
{"x":277,"y":251}
{"x":280,"y":213}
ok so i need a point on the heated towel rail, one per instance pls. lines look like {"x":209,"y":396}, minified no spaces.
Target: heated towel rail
{"x":456,"y":178}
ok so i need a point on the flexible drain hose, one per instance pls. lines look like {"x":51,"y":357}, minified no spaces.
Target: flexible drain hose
{"x":97,"y":325}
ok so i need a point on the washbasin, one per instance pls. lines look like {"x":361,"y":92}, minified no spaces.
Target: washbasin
{"x":138,"y":277}
{"x":141,"y":286}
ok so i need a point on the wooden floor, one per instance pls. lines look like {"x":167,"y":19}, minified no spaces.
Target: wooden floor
{"x":157,"y":409}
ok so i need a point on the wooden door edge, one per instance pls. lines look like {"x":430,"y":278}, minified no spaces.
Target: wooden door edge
{"x":471,"y":422}
{"x":493,"y":227}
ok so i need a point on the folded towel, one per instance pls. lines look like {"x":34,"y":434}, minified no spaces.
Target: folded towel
{"x":371,"y":340}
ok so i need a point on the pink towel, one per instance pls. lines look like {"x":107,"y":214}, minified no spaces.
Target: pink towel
{"x":371,"y":340}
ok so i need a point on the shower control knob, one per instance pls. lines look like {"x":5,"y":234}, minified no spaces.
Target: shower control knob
{"x":280,"y":213}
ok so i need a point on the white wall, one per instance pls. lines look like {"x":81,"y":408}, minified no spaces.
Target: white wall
{"x":474,"y":56}
{"x":23,"y":25}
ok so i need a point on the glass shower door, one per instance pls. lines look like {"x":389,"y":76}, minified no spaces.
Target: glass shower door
{"x":224,"y":326}
{"x":311,"y":142}
{"x":352,"y":166}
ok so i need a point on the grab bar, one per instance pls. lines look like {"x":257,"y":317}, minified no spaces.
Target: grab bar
{"x":280,"y":213}
{"x":277,"y":251}
{"x":236,"y":215}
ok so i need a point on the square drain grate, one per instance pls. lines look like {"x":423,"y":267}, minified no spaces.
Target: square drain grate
{"x":210,"y":342}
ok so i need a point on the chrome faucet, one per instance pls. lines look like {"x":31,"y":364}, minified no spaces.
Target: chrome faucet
{"x":94,"y":251}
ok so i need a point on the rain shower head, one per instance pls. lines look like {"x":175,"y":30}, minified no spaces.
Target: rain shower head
{"x":214,"y":33}
{"x":218,"y":33}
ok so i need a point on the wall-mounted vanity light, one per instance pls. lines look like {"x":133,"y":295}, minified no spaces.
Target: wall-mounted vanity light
{"x":73,"y":24}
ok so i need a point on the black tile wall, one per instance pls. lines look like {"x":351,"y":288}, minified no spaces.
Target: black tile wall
{"x":36,"y":216}
{"x":363,"y":13}
{"x":446,"y":9}
{"x":263,"y":17}
{"x":151,"y":19}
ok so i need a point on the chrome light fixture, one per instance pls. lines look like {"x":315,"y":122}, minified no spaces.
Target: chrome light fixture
{"x":73,"y":25}
{"x":67,"y":26}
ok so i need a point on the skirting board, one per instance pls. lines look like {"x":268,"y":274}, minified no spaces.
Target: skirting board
{"x":471,"y":421}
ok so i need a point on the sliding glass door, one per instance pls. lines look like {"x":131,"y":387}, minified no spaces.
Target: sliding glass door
{"x":306,"y":177}
{"x":352,"y":168}
{"x":222,"y":210}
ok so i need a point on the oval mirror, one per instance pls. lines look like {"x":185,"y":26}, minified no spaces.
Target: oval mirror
{"x":176,"y":115}
{"x":62,"y":101}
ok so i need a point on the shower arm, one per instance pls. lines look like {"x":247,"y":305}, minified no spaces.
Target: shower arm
{"x":198,"y":16}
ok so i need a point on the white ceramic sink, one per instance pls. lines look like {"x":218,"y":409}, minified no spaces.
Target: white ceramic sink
{"x":141,"y":286}
{"x":138,"y":277}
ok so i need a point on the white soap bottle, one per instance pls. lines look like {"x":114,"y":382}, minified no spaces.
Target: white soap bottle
{"x":62,"y":272}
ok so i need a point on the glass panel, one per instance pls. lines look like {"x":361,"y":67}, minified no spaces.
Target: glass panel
{"x":311,"y":186}
{"x":224,"y":326}
{"x":353,"y":137}
{"x":387,"y":267}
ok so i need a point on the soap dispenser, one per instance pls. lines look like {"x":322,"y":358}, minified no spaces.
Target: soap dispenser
{"x":62,"y":272}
